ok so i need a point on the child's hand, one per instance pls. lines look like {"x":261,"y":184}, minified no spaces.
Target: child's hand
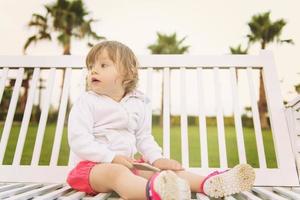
{"x":123,"y":160}
{"x":164,"y":163}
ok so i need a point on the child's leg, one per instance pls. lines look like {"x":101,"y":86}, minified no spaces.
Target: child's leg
{"x":107,"y":177}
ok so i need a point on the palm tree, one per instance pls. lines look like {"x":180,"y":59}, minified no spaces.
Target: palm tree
{"x":265,"y":31}
{"x":68,"y":20}
{"x":238,"y":50}
{"x":167,"y":44}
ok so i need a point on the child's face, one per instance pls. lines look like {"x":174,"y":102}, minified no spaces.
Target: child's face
{"x":104,"y":77}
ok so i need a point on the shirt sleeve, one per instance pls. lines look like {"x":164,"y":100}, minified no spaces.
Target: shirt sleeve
{"x":145,"y":141}
{"x":80,"y":136}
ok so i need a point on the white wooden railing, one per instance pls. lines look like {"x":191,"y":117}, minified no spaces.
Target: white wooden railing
{"x":284,"y":175}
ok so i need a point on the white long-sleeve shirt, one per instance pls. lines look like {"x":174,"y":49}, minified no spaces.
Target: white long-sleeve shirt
{"x":100,"y":128}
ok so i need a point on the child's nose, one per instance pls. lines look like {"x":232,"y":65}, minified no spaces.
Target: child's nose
{"x":94,"y":71}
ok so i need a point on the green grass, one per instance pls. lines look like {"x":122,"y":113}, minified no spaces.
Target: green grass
{"x":194,"y":145}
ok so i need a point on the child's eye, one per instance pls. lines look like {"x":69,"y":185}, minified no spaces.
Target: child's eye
{"x":104,"y":65}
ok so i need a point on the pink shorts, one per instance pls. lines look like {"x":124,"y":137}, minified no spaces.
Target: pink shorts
{"x":78,"y":177}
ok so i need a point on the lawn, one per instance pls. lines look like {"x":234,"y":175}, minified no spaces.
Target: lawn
{"x":194,"y":145}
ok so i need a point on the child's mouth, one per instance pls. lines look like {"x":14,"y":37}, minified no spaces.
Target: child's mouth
{"x":95,"y":80}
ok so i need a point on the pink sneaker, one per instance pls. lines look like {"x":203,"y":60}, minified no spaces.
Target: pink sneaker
{"x":225,"y":183}
{"x":166,"y":185}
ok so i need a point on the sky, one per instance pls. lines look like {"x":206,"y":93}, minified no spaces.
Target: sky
{"x":210,"y":27}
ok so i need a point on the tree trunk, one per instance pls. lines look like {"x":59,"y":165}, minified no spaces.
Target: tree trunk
{"x":262,"y":103}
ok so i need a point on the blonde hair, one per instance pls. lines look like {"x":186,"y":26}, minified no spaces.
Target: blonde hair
{"x":122,"y":56}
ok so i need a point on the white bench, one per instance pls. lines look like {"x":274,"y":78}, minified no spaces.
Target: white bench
{"x":48,"y":182}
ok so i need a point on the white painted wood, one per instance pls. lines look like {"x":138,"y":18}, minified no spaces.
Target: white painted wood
{"x":74,"y":196}
{"x":19,"y":190}
{"x":100,"y":196}
{"x":27,"y":173}
{"x":283,"y":149}
{"x":10,"y":115}
{"x":286,"y":192}
{"x":3,"y":80}
{"x":202,"y":119}
{"x":267,"y":193}
{"x":248,"y":195}
{"x":43,"y":119}
{"x":220,"y":120}
{"x":155,"y":61}
{"x":256,"y":122}
{"x":229,"y":198}
{"x":285,"y":175}
{"x":237,"y":118}
{"x":54,"y":194}
{"x":201,"y":196}
{"x":166,"y":113}
{"x":35,"y":192}
{"x":26,"y":117}
{"x":61,"y":118}
{"x":10,"y":186}
{"x":296,"y":189}
{"x":149,"y":87}
{"x":183,"y":120}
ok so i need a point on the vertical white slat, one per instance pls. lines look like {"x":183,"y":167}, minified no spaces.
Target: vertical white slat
{"x":81,"y":86}
{"x":43,"y":119}
{"x":166,"y":113}
{"x":3,"y":80}
{"x":11,"y":112}
{"x":237,"y":118}
{"x":283,"y":149}
{"x":256,"y":121}
{"x":26,"y":117}
{"x":149,"y":87}
{"x":202,"y":119}
{"x":220,"y":120}
{"x":61,"y":118}
{"x":183,"y":120}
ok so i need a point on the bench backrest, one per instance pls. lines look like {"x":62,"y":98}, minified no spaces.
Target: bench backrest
{"x":285,"y":174}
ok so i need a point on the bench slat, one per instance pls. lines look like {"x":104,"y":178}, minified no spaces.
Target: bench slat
{"x":26,"y":117}
{"x":35,"y":192}
{"x":256,"y":121}
{"x":237,"y":117}
{"x":220,"y":120}
{"x":43,"y":118}
{"x":61,"y":118}
{"x":19,"y":190}
{"x":183,"y":119}
{"x":202,"y":119}
{"x":11,"y":112}
{"x":166,"y":113}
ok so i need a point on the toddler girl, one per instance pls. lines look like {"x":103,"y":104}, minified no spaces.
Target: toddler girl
{"x":110,"y":122}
